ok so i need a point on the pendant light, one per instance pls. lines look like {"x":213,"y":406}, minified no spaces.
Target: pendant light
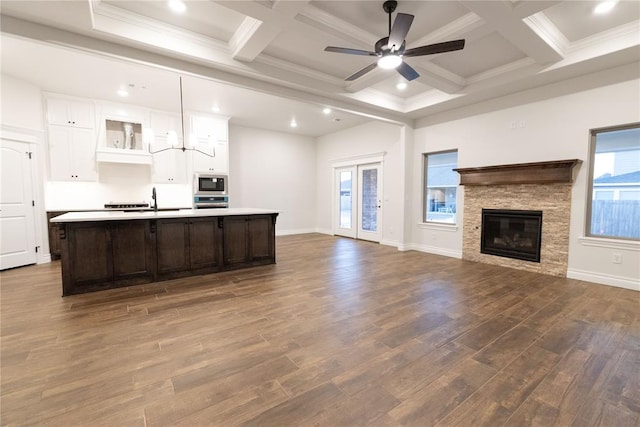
{"x":184,"y":148}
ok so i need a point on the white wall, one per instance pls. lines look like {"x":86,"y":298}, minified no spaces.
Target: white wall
{"x":551,"y":129}
{"x":21,"y":104}
{"x":274,"y":170}
{"x":366,"y":139}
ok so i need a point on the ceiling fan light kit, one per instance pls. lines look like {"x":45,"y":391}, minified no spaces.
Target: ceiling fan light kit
{"x":391,"y":50}
{"x":390,"y":61}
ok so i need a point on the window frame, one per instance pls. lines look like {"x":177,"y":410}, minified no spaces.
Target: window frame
{"x":593,"y":133}
{"x":424,"y":189}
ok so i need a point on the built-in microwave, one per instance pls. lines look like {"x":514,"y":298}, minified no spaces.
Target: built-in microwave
{"x":210,"y":185}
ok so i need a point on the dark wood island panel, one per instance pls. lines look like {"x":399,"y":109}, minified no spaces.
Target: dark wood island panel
{"x":98,"y":255}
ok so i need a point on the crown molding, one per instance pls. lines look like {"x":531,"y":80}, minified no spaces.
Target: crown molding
{"x":457,"y":28}
{"x":330,"y":24}
{"x":625,"y":35}
{"x":113,"y":20}
{"x":297,"y":69}
{"x":548,"y":32}
{"x":503,"y":69}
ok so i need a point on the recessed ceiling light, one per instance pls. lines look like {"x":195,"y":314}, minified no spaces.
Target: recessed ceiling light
{"x":215,"y":108}
{"x":604,"y":7}
{"x":123,"y":92}
{"x":293,"y":123}
{"x":326,"y":110}
{"x":401,"y":86}
{"x":177,"y":6}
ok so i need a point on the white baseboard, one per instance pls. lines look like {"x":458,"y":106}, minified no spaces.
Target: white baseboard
{"x":393,"y":243}
{"x":295,"y":231}
{"x":402,"y":247}
{"x":431,"y":249}
{"x":604,"y":279}
{"x":43,"y":259}
{"x":324,"y":231}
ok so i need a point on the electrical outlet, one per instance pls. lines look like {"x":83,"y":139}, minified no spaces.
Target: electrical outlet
{"x":616,"y":258}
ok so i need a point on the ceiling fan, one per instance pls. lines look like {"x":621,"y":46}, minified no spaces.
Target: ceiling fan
{"x":390,"y":50}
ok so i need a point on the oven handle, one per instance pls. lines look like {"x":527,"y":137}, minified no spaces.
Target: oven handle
{"x":211,"y":205}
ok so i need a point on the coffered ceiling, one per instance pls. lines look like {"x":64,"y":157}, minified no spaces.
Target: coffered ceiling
{"x":277,"y":46}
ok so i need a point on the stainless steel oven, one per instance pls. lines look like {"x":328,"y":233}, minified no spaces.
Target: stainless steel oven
{"x":210,"y":185}
{"x":210,"y":202}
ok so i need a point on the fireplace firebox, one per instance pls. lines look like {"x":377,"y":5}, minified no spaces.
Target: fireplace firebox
{"x":511,"y":233}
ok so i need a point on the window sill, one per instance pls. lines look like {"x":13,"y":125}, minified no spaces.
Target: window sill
{"x":438,"y":226}
{"x":601,"y":242}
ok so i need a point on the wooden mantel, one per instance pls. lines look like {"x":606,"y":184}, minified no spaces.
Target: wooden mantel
{"x":519,"y":173}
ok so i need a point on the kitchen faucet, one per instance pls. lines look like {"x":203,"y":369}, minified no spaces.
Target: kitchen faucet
{"x":155,"y":200}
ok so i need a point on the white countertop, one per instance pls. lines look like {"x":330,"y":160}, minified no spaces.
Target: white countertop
{"x":178,"y":213}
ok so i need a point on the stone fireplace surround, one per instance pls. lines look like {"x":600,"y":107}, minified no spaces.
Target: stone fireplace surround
{"x":544,"y":186}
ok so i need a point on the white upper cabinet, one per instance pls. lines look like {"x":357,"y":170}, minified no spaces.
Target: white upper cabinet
{"x":67,"y":112}
{"x":207,"y":128}
{"x":170,"y":166}
{"x":165,"y":125}
{"x":204,"y":163}
{"x":72,"y":142}
{"x":209,"y":134}
{"x":72,"y":154}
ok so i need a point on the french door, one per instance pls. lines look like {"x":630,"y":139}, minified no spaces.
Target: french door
{"x":358,"y":195}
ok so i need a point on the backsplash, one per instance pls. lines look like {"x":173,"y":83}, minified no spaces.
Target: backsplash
{"x":119,"y":183}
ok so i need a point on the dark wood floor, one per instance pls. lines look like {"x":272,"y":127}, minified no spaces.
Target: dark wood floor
{"x":338,"y":333}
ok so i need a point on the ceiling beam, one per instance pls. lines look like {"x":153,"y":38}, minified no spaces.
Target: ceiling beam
{"x":439,"y":78}
{"x":372,"y":78}
{"x":254,"y":35}
{"x":502,"y":16}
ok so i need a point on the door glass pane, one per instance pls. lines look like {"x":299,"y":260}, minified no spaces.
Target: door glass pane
{"x":345,"y":199}
{"x":370,"y":199}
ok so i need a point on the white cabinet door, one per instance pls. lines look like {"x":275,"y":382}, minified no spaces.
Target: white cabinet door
{"x":81,"y":114}
{"x":169,"y":167}
{"x":70,"y":113}
{"x":83,"y":155}
{"x":204,"y":163}
{"x":60,"y":154}
{"x":17,"y":225}
{"x":72,"y":154}
{"x":206,"y":128}
{"x":163,"y":124}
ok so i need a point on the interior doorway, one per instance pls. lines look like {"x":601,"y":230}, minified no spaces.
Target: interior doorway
{"x":17,"y":220}
{"x":358,"y":196}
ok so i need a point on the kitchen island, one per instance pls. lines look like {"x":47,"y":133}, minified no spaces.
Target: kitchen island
{"x":110,"y":249}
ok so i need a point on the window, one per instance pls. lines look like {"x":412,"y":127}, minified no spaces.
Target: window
{"x":614,"y":185}
{"x":440,"y":187}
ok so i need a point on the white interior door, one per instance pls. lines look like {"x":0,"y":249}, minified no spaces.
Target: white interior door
{"x":17,"y":225}
{"x":369,"y":202}
{"x":346,"y":201}
{"x":358,"y":201}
